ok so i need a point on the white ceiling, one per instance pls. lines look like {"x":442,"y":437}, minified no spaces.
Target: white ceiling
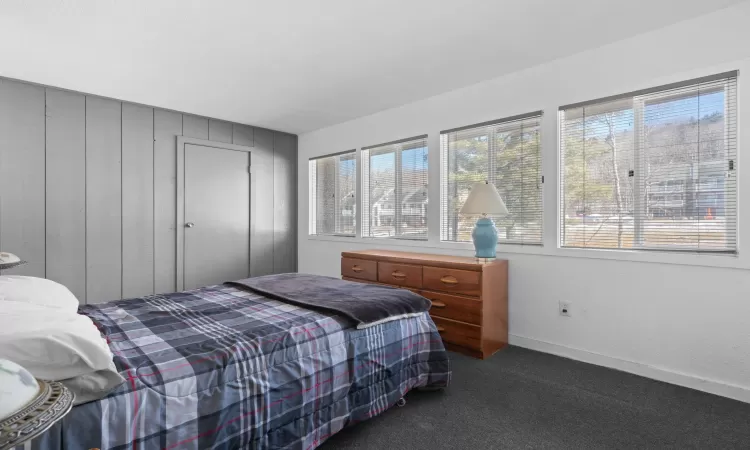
{"x":300,"y":65}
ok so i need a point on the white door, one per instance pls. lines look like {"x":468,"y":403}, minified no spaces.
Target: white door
{"x":216,"y":215}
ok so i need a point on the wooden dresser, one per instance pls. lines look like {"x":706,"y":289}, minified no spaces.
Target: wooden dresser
{"x":469,"y":297}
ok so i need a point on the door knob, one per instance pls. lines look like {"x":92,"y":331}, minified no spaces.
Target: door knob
{"x":189,"y":225}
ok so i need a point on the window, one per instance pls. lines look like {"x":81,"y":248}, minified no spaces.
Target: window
{"x":506,"y":153}
{"x":652,"y":170}
{"x":394,"y":186}
{"x":333,"y":200}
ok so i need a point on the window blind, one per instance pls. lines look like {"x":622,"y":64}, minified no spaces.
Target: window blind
{"x":507,"y":153}
{"x":652,"y":170}
{"x":333,"y":194}
{"x":394,"y":186}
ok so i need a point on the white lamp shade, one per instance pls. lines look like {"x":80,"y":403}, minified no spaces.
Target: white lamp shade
{"x":484,"y":199}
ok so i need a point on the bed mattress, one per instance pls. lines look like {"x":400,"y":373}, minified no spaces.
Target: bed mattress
{"x":221,"y":367}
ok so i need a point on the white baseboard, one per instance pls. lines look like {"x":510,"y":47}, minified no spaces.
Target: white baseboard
{"x":657,"y":373}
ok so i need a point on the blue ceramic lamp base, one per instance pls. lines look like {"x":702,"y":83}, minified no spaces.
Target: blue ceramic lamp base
{"x":485,"y":238}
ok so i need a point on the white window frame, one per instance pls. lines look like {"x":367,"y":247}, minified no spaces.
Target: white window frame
{"x":312,"y":188}
{"x":398,"y":149}
{"x":639,"y":104}
{"x":508,"y":123}
{"x":550,"y":165}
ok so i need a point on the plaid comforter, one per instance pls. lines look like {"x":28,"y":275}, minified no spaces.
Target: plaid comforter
{"x":220,"y":367}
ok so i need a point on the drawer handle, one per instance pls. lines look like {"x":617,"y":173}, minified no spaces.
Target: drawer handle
{"x":440,"y":329}
{"x":357,"y":269}
{"x":397,"y":274}
{"x":438,"y":305}
{"x":448,"y":279}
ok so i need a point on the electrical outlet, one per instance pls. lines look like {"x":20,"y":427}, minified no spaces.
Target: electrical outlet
{"x":565,"y":309}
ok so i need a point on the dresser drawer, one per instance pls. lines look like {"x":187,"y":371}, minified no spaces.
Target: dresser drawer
{"x":400,"y":274}
{"x":358,"y":280}
{"x":464,"y":309}
{"x":416,"y":291}
{"x":359,"y":268}
{"x":459,"y":333}
{"x":457,"y":281}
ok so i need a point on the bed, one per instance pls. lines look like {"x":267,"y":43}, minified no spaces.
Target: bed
{"x":223,"y":367}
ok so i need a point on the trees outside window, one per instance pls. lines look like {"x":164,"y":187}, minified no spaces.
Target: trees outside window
{"x":652,"y":171}
{"x":506,"y":153}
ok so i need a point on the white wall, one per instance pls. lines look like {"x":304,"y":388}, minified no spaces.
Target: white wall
{"x":679,"y":318}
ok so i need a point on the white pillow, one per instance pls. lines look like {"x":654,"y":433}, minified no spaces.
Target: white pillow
{"x":51,"y":344}
{"x":35,"y":291}
{"x":93,"y":386}
{"x":41,"y":330}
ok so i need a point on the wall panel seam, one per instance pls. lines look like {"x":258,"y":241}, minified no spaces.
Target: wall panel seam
{"x":122,"y":208}
{"x":45,"y":183}
{"x":153,"y":203}
{"x":85,"y":199}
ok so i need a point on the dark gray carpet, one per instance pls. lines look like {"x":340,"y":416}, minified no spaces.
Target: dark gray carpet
{"x":521,"y":399}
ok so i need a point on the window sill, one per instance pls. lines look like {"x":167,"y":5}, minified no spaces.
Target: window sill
{"x":457,"y":248}
{"x":729,"y":261}
{"x":330,"y":236}
{"x":467,"y":249}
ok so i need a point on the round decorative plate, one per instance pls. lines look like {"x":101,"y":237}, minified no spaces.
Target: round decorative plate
{"x":9,"y":260}
{"x":50,"y":405}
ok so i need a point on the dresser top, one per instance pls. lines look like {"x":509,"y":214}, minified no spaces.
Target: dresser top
{"x":462,"y":262}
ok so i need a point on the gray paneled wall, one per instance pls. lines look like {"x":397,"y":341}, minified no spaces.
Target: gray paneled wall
{"x":66,"y":191}
{"x":103,"y":199}
{"x":88,"y":190}
{"x":285,"y":203}
{"x":137,"y":200}
{"x":22,"y":172}
{"x":263,"y":208}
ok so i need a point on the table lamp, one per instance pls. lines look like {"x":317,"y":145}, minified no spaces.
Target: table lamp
{"x":484,"y":199}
